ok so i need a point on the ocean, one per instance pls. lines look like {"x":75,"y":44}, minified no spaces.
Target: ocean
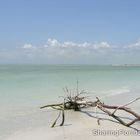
{"x":24,"y":88}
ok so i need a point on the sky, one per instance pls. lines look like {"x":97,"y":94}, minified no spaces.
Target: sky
{"x":70,"y":31}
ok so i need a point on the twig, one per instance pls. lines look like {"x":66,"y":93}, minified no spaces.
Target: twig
{"x":63,"y":114}
{"x":126,"y":104}
{"x":51,"y":105}
{"x":56,"y":119}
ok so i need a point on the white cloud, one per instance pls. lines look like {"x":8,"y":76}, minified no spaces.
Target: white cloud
{"x":104,"y":45}
{"x":134,"y":45}
{"x":27,"y":46}
{"x":55,"y":43}
{"x":55,"y":51}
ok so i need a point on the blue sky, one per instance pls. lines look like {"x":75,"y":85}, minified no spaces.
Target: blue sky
{"x":70,"y":31}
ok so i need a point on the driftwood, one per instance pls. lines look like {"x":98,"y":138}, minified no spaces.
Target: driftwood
{"x":77,"y":102}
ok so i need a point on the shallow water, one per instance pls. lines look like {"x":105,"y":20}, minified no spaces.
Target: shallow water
{"x":23,"y":88}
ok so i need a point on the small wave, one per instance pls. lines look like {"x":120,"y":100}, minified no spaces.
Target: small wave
{"x":114,"y":92}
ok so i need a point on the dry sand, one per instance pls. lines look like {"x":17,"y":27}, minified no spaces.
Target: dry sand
{"x":78,"y":126}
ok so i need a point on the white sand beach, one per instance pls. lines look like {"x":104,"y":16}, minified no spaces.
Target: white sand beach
{"x":79,"y":125}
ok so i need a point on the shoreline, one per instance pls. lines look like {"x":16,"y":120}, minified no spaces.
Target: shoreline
{"x":78,"y":125}
{"x":35,"y":124}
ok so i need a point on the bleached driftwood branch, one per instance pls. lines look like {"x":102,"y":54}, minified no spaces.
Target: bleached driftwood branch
{"x":78,"y":102}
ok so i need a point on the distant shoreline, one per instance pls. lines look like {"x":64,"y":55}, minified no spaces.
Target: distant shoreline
{"x":37,"y":64}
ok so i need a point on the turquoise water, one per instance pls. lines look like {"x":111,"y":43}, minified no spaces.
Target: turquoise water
{"x":34,"y":84}
{"x":24,"y":88}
